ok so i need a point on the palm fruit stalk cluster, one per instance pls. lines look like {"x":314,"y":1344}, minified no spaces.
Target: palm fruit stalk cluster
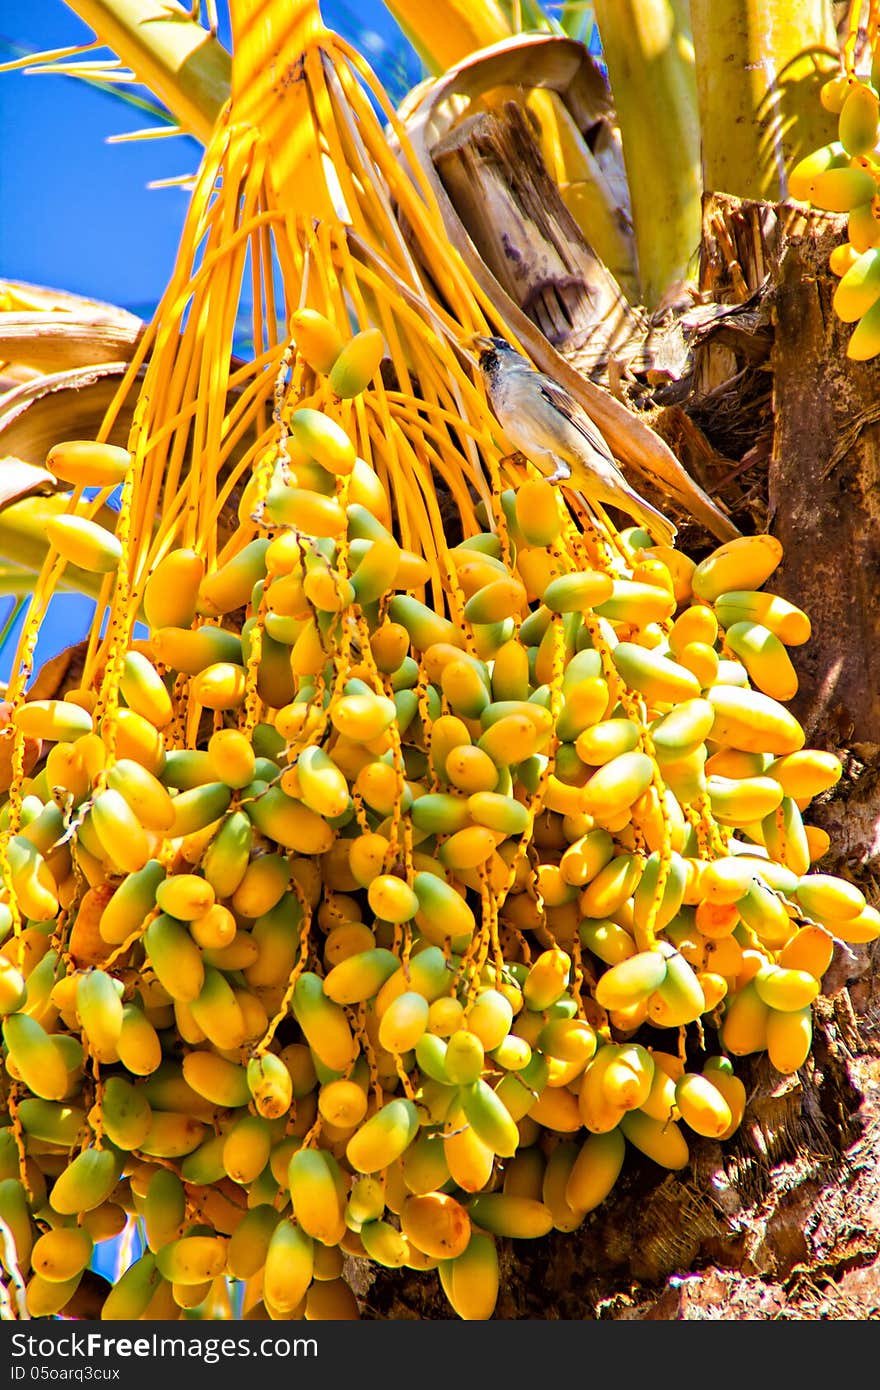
{"x":439,"y":846}
{"x":844,"y":177}
{"x":341,"y":937}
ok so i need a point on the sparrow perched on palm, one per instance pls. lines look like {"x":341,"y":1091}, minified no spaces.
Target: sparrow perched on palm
{"x":545,"y":423}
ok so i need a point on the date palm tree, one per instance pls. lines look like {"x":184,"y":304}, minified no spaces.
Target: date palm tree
{"x":655,"y":168}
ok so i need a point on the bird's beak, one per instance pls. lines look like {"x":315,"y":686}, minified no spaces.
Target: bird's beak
{"x":477,"y":343}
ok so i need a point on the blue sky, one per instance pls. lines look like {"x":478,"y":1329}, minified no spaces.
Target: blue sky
{"x":77,"y":214}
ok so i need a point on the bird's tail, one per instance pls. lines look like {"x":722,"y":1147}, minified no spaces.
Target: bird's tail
{"x":621,"y":495}
{"x":614,"y":490}
{"x":660,"y":527}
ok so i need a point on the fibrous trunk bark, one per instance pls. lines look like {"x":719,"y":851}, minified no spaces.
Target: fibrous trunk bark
{"x":492,"y":170}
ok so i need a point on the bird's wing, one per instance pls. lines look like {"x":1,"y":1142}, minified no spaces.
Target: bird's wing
{"x":559,"y":398}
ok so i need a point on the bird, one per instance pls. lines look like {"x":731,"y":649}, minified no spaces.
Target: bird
{"x":546,"y":424}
